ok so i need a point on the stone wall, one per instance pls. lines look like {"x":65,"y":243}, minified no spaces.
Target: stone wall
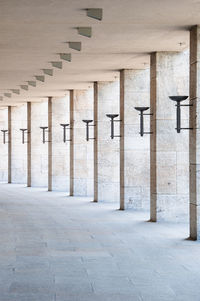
{"x":39,"y":151}
{"x":83,"y":150}
{"x":18,"y":150}
{"x":60,"y":151}
{"x":3,"y":147}
{"x":169,"y":150}
{"x":136,"y":148}
{"x":108,"y":150}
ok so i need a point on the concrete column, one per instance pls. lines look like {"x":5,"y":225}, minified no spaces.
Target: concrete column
{"x":29,"y":144}
{"x":3,"y":147}
{"x":9,"y":145}
{"x":108,"y":149}
{"x":134,"y":149}
{"x":50,"y":144}
{"x":71,"y":151}
{"x":194,"y":140}
{"x":168,"y":149}
{"x":83,"y":150}
{"x":95,"y":118}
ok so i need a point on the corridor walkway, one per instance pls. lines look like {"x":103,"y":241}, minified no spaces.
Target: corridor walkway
{"x":57,"y":248}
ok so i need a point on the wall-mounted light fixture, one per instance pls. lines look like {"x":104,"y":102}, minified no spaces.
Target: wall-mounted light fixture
{"x":141,"y":110}
{"x":5,"y":132}
{"x":178,"y":100}
{"x":44,"y":131}
{"x":87,"y":121}
{"x":65,"y":126}
{"x":23,"y":134}
{"x":112,"y":120}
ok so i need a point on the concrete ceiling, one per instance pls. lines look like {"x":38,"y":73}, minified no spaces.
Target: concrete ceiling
{"x":34,"y":32}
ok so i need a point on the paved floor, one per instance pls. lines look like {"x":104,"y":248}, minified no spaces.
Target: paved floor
{"x":56,"y":248}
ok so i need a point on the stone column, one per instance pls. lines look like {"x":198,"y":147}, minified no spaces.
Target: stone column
{"x":194,"y":141}
{"x":95,"y":118}
{"x":71,"y":150}
{"x":168,"y":149}
{"x":28,"y":144}
{"x":9,"y":145}
{"x":134,"y":149}
{"x":108,"y":149}
{"x":50,"y":144}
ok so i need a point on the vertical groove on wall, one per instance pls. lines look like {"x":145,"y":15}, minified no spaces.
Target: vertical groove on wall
{"x":71,"y":152}
{"x":122,"y":207}
{"x":153,"y":173}
{"x":28,"y":144}
{"x":50,"y":144}
{"x":9,"y":145}
{"x":95,"y":142}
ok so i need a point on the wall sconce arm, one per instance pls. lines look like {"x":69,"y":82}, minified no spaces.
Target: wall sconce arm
{"x":112,"y":120}
{"x":24,"y":131}
{"x":44,"y":131}
{"x":142,"y":110}
{"x":178,"y":100}
{"x":65,"y":127}
{"x":87,"y":124}
{"x":5,"y":132}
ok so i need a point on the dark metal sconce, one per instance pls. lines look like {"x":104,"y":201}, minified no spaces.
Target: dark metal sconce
{"x":178,"y":100}
{"x":141,"y":110}
{"x":44,"y":130}
{"x":65,"y":125}
{"x":5,"y":132}
{"x":112,"y":120}
{"x":87,"y":121}
{"x":23,"y":134}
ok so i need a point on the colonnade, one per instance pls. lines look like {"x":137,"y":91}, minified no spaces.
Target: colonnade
{"x":158,"y":172}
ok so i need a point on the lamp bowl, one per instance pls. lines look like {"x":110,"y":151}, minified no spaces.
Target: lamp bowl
{"x":141,"y":109}
{"x":64,"y":124}
{"x":178,"y":98}
{"x":112,"y":116}
{"x":87,"y":120}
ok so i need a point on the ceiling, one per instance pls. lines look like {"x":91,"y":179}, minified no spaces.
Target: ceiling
{"x":33,"y":33}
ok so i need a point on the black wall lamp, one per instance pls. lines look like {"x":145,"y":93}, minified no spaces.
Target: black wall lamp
{"x":178,"y":100}
{"x":44,"y":130}
{"x":65,"y":126}
{"x":141,"y":110}
{"x":87,"y":121}
{"x":23,"y":134}
{"x":5,"y":132}
{"x":112,"y":120}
